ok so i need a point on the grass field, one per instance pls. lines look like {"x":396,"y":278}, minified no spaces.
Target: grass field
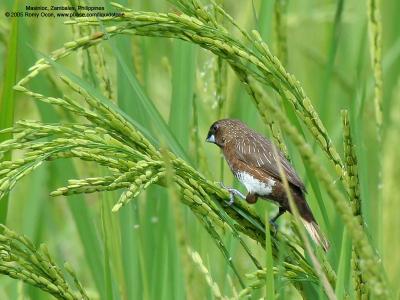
{"x":109,"y":191}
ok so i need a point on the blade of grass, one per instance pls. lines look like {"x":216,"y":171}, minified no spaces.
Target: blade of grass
{"x":106,"y":258}
{"x":265,"y":16}
{"x":270,"y":287}
{"x":129,"y":250}
{"x":343,"y":272}
{"x":183,"y":78}
{"x":326,"y":110}
{"x":159,"y":126}
{"x":162,"y":246}
{"x":128,"y":103}
{"x":127,"y":217}
{"x":7,"y":97}
{"x":113,"y":269}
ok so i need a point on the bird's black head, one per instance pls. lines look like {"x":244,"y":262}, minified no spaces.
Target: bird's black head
{"x":222,"y":131}
{"x":213,"y":133}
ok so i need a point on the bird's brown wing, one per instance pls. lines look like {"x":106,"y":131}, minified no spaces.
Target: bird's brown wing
{"x":256,"y":151}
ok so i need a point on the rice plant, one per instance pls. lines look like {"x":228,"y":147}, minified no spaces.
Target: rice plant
{"x":108,"y":190}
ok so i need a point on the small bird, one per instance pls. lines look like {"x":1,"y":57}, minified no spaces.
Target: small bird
{"x":251,"y":158}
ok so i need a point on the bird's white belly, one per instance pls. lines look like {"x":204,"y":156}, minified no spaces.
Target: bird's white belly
{"x":255,"y":186}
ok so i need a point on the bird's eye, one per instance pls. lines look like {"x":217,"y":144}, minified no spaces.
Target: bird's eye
{"x":215,"y":128}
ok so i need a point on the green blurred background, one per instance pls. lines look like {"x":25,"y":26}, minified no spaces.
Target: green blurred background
{"x":136,"y":252}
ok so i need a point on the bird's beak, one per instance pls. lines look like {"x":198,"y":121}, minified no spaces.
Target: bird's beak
{"x":210,"y":138}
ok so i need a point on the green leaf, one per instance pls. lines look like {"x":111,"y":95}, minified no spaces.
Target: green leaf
{"x":270,"y":293}
{"x":7,"y":97}
{"x":183,"y":79}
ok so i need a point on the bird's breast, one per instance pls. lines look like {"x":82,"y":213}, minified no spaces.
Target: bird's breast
{"x":254,"y":185}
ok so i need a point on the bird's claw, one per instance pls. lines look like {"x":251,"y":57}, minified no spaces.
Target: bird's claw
{"x":273,"y":225}
{"x":231,"y":199}
{"x":272,"y":221}
{"x":232,"y":193}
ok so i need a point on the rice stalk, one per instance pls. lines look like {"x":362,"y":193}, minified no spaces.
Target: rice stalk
{"x":138,"y":60}
{"x":258,"y":280}
{"x":216,"y":291}
{"x":360,"y":285}
{"x":102,"y":71}
{"x":375,"y":47}
{"x":280,"y":29}
{"x":21,"y":260}
{"x":78,"y":33}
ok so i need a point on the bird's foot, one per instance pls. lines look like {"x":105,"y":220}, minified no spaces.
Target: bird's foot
{"x":274,"y":225}
{"x":232,"y":194}
{"x":272,"y":221}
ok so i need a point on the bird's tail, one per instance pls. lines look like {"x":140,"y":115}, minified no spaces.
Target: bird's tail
{"x":315,"y":232}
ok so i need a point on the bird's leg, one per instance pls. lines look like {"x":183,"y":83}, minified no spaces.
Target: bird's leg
{"x":272,"y":221}
{"x":232,"y":194}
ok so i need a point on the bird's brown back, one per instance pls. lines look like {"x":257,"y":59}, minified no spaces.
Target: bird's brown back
{"x":256,"y":151}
